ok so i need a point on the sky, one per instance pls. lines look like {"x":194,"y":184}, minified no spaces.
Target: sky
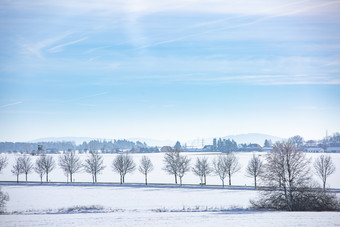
{"x":179,"y":69}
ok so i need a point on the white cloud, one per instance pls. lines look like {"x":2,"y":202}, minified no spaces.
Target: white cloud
{"x":10,"y":104}
{"x":59,"y":47}
{"x":36,"y":48}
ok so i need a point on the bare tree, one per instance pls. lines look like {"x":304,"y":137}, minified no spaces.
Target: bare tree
{"x":254,"y":168}
{"x":232,"y":165}
{"x":171,"y":158}
{"x":296,"y":140}
{"x":324,"y":167}
{"x":16,"y":168}
{"x":48,"y":164}
{"x":183,"y":167}
{"x":288,"y":168}
{"x":39,"y":168}
{"x":202,"y":169}
{"x":3,"y":162}
{"x":219,"y":167}
{"x":70,"y":163}
{"x":94,"y":165}
{"x":123,"y":164}
{"x":26,"y":165}
{"x":145,"y":167}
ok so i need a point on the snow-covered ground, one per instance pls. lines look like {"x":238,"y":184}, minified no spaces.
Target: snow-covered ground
{"x":253,"y":219}
{"x":158,"y":175}
{"x":145,"y":206}
{"x":138,"y":205}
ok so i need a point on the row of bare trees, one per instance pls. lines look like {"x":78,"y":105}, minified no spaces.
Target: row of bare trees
{"x":225,"y":165}
{"x":70,"y":163}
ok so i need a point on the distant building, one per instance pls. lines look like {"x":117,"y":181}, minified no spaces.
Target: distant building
{"x":314,"y":150}
{"x":270,"y":148}
{"x":333,"y":150}
{"x":253,"y":147}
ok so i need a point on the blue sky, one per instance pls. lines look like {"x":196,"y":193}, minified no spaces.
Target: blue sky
{"x":174,"y":70}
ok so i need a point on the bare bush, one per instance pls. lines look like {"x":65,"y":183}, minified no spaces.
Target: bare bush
{"x":94,"y":165}
{"x":145,"y":167}
{"x":3,"y":199}
{"x":305,"y":199}
{"x":123,"y":164}
{"x":324,"y":167}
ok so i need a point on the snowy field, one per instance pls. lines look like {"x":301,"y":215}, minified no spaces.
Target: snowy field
{"x":145,"y":206}
{"x":138,"y":205}
{"x":158,"y":175}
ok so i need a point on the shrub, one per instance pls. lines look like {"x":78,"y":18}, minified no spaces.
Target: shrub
{"x":3,"y":199}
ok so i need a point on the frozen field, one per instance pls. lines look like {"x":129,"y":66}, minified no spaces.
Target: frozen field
{"x":158,"y":175}
{"x":146,"y":206}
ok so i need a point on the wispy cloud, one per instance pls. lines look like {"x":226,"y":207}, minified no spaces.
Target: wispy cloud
{"x":86,"y":97}
{"x":60,"y":47}
{"x":36,"y":48}
{"x":273,"y":80}
{"x":268,"y":14}
{"x":10,"y":104}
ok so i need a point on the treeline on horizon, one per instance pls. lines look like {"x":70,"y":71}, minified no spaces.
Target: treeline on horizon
{"x":115,"y":146}
{"x":55,"y":147}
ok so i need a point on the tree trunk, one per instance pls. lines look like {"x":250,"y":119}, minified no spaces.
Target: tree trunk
{"x":71,"y":177}
{"x":205,"y":179}
{"x":180,"y":180}
{"x":324,"y":185}
{"x":46,"y":176}
{"x":95,"y":178}
{"x":223,"y":183}
{"x":255,"y":181}
{"x":229,"y":180}
{"x":175,"y":179}
{"x":17,"y":178}
{"x":26,"y":176}
{"x":41,"y":177}
{"x":146,"y":179}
